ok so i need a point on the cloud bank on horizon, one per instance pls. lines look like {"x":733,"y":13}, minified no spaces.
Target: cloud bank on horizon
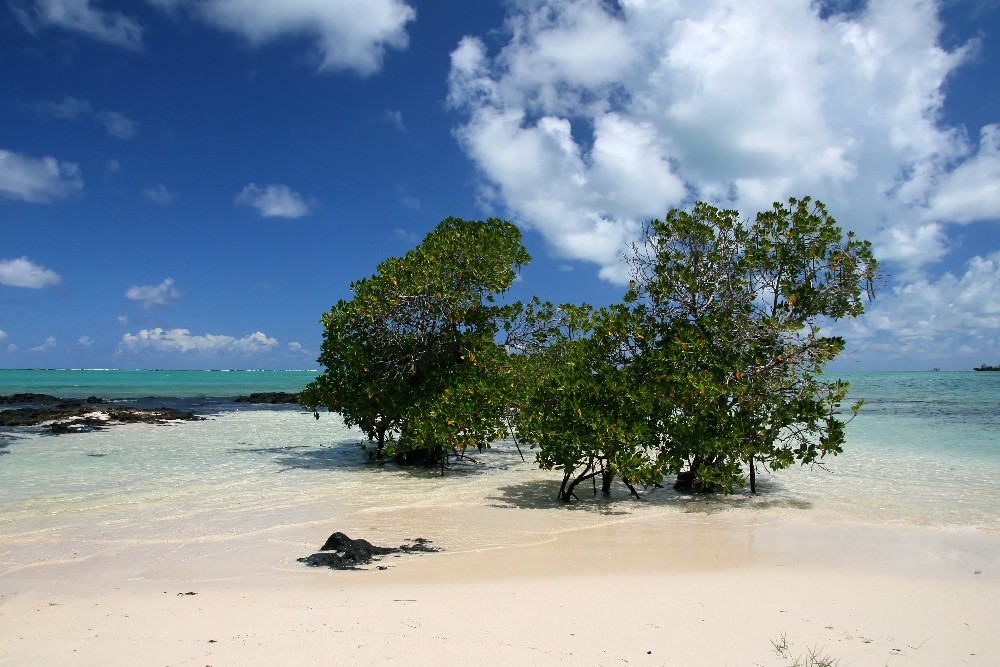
{"x":584,"y":118}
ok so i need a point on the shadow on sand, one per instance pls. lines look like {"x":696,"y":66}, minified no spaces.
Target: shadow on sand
{"x":348,"y":455}
{"x":534,"y":494}
{"x":543,"y":495}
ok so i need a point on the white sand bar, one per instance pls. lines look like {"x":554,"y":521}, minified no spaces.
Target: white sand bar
{"x":103,"y":535}
{"x":705,"y":589}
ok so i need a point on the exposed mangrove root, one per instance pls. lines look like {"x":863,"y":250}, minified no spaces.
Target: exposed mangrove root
{"x":595,"y":467}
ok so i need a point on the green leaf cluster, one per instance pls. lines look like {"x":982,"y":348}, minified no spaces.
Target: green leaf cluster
{"x":712,"y":365}
{"x":577,"y":403}
{"x":412,"y":358}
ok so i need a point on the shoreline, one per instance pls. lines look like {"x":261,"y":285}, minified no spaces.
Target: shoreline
{"x":178,"y":545}
{"x":721,"y":590}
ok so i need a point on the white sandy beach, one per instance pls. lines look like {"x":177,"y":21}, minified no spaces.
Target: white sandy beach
{"x":717,"y":590}
{"x":102,"y":537}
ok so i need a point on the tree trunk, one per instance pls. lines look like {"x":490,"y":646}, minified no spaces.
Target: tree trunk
{"x":631,"y":489}
{"x":587,"y":473}
{"x":686,"y":479}
{"x":753,"y":476}
{"x":562,"y":489}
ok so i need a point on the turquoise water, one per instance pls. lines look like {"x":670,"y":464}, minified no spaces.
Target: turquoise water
{"x":142,"y":383}
{"x":941,"y":413}
{"x":925,"y":450}
{"x":924,"y":413}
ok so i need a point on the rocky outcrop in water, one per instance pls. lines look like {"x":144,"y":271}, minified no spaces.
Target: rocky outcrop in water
{"x":58,"y":416}
{"x":340,"y":552}
{"x":270,"y":397}
{"x":33,"y":399}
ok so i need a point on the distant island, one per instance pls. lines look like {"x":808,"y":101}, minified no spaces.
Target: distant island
{"x":987,"y":367}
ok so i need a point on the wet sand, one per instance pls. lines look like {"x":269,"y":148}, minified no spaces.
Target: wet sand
{"x":715,"y":589}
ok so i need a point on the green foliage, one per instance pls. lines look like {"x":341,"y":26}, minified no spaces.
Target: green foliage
{"x":710,"y":367}
{"x":411,"y":359}
{"x":730,"y":317}
{"x":713,"y":363}
{"x":577,"y":403}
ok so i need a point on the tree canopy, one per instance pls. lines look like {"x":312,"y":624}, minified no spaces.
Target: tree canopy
{"x":730,"y":316}
{"x":711,"y":366}
{"x":412,"y":359}
{"x":577,"y":403}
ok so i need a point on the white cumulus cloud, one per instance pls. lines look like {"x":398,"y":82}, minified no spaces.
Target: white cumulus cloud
{"x":151,"y":296}
{"x":81,"y":16}
{"x":592,"y":117}
{"x":37,"y":180}
{"x":273,"y":201}
{"x":22,"y":272}
{"x":348,"y":35}
{"x":168,"y":341}
{"x":45,"y":345}
{"x":912,"y":246}
{"x":971,"y":191}
{"x":923,"y":321}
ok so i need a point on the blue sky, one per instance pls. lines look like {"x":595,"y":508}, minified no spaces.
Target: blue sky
{"x":191,"y":183}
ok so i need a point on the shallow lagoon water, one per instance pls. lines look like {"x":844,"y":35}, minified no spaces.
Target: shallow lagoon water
{"x":923,"y":451}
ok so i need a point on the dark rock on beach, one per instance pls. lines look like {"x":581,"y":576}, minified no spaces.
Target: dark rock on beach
{"x":270,"y":397}
{"x":77,"y":416}
{"x":340,"y":552}
{"x":29,"y":399}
